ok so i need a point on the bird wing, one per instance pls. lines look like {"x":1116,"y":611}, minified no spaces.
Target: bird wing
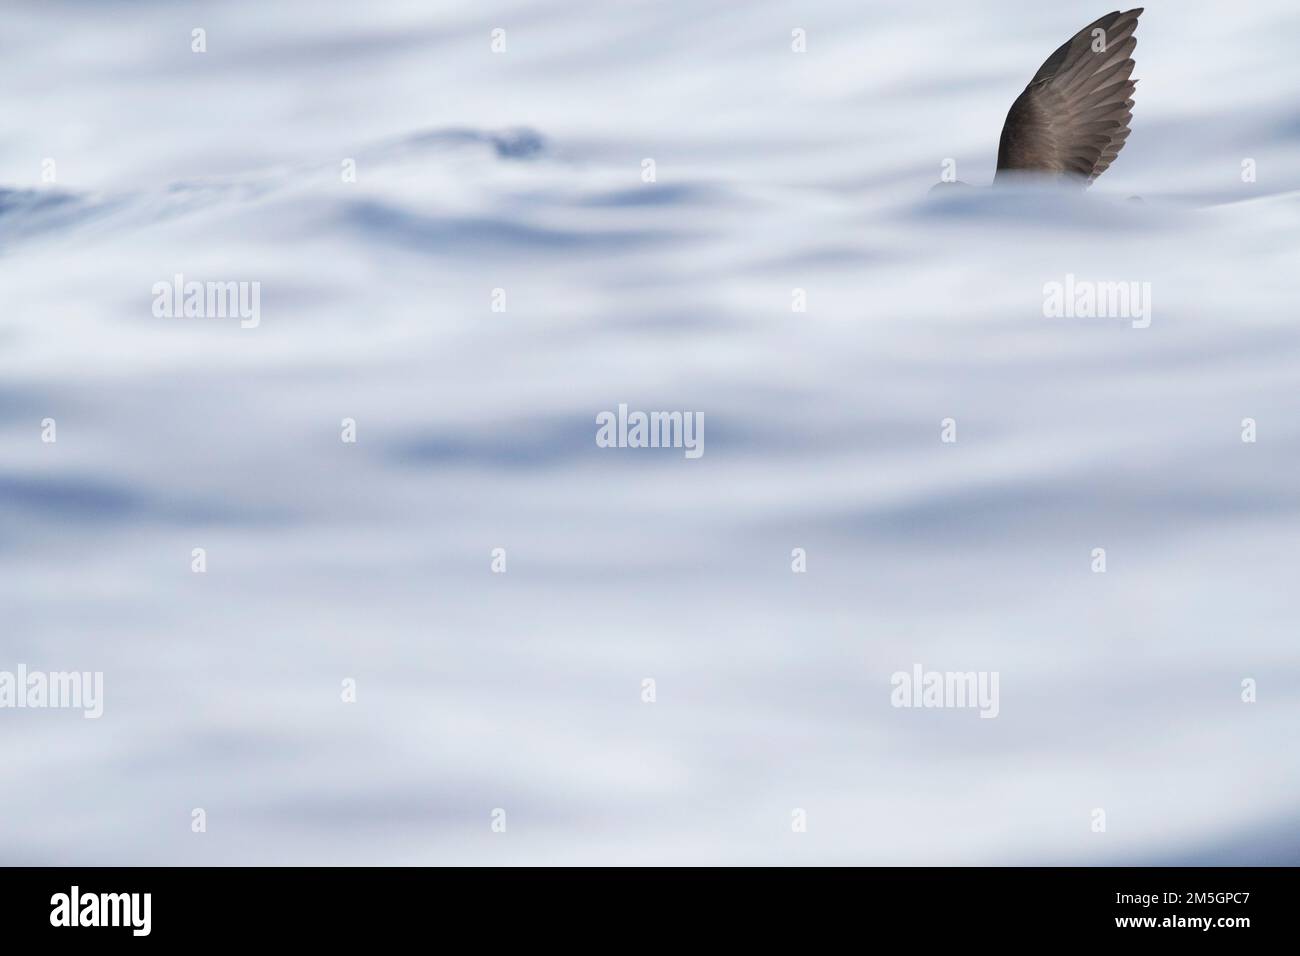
{"x":1072,"y":118}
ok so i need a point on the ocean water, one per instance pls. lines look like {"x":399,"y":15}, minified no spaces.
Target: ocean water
{"x":780,"y":179}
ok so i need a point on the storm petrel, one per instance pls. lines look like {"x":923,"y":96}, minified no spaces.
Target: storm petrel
{"x":1072,"y":119}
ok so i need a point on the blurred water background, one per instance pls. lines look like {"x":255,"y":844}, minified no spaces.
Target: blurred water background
{"x":522,"y":171}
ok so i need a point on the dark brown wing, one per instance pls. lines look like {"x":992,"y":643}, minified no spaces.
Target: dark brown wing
{"x":1072,"y":119}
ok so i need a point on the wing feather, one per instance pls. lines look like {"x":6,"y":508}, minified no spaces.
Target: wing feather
{"x":1073,"y":117}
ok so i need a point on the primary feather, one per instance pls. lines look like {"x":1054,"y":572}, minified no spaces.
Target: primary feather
{"x":1072,"y":119}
